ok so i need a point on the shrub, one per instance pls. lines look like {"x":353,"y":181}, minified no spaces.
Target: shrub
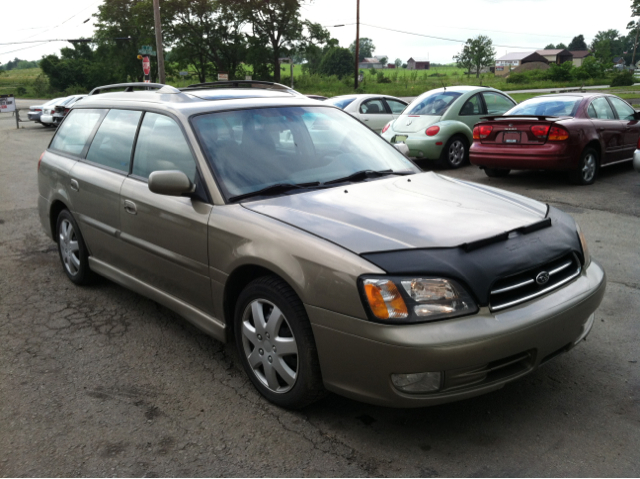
{"x":624,"y":78}
{"x":41,"y":86}
{"x":337,"y":61}
{"x":380,"y":78}
{"x":21,"y":90}
{"x":560,"y":72}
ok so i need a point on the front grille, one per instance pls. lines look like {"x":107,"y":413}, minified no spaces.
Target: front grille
{"x":530,"y":284}
{"x":498,"y":370}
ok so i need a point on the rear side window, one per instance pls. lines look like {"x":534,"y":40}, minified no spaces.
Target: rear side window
{"x":396,"y":106}
{"x":161,"y":146}
{"x":372,"y":107}
{"x":601,"y":109}
{"x":113,"y":142}
{"x":75,"y":131}
{"x":472,"y":107}
{"x":496,"y":103}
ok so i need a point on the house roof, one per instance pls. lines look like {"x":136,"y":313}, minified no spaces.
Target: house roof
{"x":515,"y":56}
{"x":370,"y":60}
{"x":422,"y":59}
{"x":580,"y":53}
{"x":553,"y":52}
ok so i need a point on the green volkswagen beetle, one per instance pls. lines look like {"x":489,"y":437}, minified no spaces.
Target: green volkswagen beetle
{"x":438,"y":124}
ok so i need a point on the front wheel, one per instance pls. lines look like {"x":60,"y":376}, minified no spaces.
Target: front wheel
{"x":587,"y":169}
{"x":276,"y":344}
{"x":496,"y":172}
{"x":455,"y":153}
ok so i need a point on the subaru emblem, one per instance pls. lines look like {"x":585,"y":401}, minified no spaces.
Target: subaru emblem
{"x":542,"y":278}
{"x":409,"y":122}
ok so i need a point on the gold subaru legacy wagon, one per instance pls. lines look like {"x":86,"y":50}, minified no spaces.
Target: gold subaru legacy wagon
{"x":333,"y":262}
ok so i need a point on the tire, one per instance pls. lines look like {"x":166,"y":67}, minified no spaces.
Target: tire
{"x":455,"y":153}
{"x":587,"y":169}
{"x":73,"y":250}
{"x":279,"y":357}
{"x":496,"y":172}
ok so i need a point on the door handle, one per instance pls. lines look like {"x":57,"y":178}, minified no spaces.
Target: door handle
{"x":130,"y":207}
{"x":75,"y":186}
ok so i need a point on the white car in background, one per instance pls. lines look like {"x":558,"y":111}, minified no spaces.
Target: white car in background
{"x":375,"y":111}
{"x":53,"y":114}
{"x":36,"y":111}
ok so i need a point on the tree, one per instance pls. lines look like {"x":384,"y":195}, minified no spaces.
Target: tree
{"x":477,"y":53}
{"x":606,"y":45}
{"x":275,"y":22}
{"x":366,"y":49}
{"x":398,"y":63}
{"x":337,"y":61}
{"x":383,"y":60}
{"x":577,"y":43}
{"x":561,"y":46}
{"x":121,"y":19}
{"x":316,"y":41}
{"x":551,"y":46}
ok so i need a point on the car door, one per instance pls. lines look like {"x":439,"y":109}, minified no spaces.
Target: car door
{"x":373,"y":112}
{"x":627,"y":116}
{"x":610,"y":130}
{"x":97,"y":179}
{"x":471,"y":111}
{"x":164,"y":238}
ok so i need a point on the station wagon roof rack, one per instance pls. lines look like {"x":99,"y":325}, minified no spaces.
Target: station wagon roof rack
{"x":129,"y":87}
{"x":267,"y":85}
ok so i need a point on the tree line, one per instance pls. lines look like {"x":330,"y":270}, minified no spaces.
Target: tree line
{"x":204,"y":37}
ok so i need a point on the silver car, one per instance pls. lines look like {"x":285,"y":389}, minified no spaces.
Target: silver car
{"x":331,"y":260}
{"x":36,"y":111}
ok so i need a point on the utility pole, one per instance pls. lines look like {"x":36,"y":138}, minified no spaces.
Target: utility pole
{"x":355,"y":80}
{"x":156,"y":17}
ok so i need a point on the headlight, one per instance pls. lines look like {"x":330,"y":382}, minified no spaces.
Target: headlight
{"x":417,"y":299}
{"x":585,"y":248}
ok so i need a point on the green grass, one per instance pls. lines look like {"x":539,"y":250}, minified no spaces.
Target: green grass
{"x":11,"y":80}
{"x":398,"y":82}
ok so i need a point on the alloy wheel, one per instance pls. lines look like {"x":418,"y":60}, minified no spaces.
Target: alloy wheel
{"x":589,"y":167}
{"x":269,"y":345}
{"x":69,"y":247}
{"x":456,"y":153}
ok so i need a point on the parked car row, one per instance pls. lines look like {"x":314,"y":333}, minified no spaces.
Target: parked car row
{"x":51,"y":113}
{"x":577,"y":133}
{"x":335,"y":264}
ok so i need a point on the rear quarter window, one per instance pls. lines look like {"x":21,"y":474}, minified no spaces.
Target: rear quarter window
{"x":74,"y":133}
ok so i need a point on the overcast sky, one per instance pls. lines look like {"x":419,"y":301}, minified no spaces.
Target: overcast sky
{"x":513,"y":25}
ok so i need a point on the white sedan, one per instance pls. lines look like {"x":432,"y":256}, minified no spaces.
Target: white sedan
{"x":53,"y":114}
{"x":375,"y":111}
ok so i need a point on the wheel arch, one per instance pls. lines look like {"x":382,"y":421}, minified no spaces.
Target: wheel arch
{"x":56,"y":207}
{"x":238,"y":280}
{"x":454,"y":127}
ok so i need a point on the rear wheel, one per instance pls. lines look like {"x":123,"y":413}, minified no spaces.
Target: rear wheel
{"x":72,"y":250}
{"x":276,"y":345}
{"x":455,"y":153}
{"x":496,"y":172}
{"x":587,"y":169}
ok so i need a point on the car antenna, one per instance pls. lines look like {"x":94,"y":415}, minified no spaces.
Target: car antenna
{"x":444,"y":87}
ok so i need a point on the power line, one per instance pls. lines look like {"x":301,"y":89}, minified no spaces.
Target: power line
{"x":60,"y":24}
{"x":19,"y":49}
{"x":456,"y":40}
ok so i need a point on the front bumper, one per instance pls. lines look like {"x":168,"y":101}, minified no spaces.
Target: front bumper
{"x":476,"y":354}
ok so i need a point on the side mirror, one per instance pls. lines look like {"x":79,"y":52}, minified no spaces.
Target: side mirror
{"x":402,"y":148}
{"x":170,"y":183}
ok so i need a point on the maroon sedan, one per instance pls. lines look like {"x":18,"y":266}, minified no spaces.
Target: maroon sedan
{"x":574,"y":132}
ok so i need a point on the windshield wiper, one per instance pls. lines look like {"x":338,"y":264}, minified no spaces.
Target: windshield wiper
{"x":364,"y":174}
{"x":275,"y":189}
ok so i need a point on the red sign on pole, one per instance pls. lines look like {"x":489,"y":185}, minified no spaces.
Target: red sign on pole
{"x":146,"y":68}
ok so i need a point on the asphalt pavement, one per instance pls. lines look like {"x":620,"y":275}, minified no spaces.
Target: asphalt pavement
{"x":99,"y":381}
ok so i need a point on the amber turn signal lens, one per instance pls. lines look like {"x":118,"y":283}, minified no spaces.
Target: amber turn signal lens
{"x":385,"y":299}
{"x":558,"y":134}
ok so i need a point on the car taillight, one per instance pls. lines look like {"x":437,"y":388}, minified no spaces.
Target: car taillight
{"x":386,"y":127}
{"x":558,"y":134}
{"x":38,"y":109}
{"x":40,"y":160}
{"x":540,"y":131}
{"x":480,"y":132}
{"x":432,"y":130}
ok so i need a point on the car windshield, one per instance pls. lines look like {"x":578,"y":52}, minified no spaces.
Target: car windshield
{"x":340,"y":102}
{"x":547,"y":106}
{"x":251,"y":150}
{"x":432,"y":103}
